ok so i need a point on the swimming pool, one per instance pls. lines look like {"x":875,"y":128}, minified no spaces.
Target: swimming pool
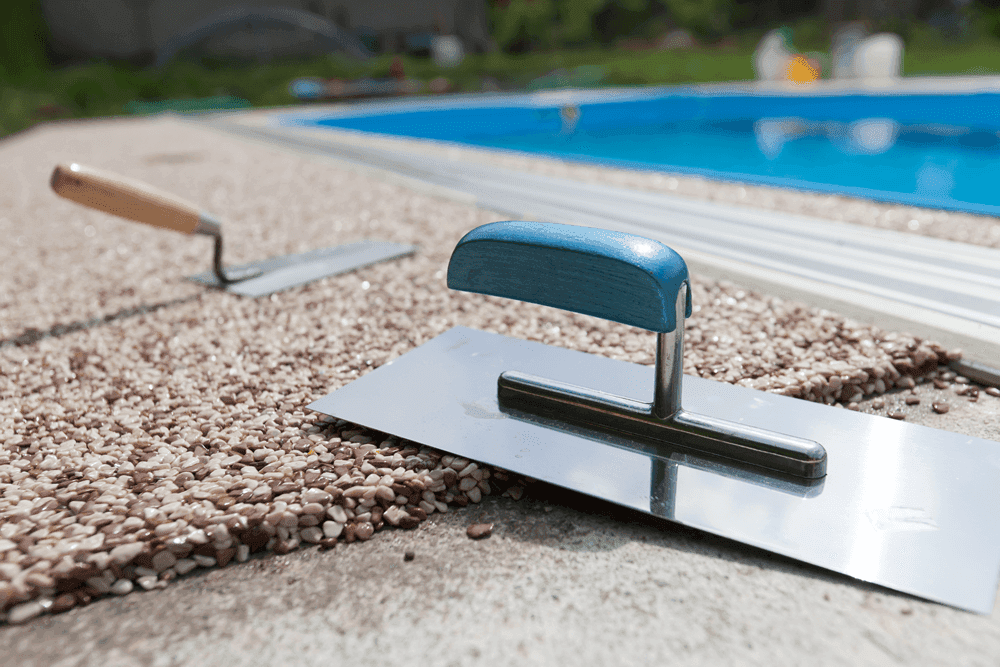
{"x":933,"y":150}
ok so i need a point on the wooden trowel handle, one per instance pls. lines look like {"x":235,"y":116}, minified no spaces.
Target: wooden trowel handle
{"x":613,"y":275}
{"x":127,"y":198}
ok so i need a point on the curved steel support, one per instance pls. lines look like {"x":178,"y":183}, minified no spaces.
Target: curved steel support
{"x":209,"y":226}
{"x":663,"y":420}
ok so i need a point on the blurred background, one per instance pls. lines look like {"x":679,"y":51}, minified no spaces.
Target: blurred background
{"x":86,"y":58}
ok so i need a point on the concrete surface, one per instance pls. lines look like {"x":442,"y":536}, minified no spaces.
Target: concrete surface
{"x":563,"y":580}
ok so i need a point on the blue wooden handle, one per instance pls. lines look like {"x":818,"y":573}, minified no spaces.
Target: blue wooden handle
{"x":612,"y":275}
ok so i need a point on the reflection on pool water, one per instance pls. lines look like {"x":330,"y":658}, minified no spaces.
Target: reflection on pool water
{"x":927,"y":150}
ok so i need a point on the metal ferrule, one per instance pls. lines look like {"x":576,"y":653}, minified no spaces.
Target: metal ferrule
{"x":663,"y":420}
{"x":208,"y":225}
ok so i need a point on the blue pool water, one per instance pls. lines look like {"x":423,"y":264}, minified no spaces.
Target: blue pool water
{"x":933,"y":150}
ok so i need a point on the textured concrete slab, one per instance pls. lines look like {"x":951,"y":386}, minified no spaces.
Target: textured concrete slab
{"x":563,"y":579}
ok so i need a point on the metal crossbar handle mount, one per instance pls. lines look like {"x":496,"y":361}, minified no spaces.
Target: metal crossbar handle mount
{"x":627,"y":279}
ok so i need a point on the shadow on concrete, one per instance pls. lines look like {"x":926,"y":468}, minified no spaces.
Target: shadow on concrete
{"x":31,"y":335}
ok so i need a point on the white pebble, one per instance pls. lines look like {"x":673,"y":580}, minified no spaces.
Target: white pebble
{"x":316,"y":496}
{"x":124,"y":553}
{"x":197,"y":537}
{"x":25,"y":611}
{"x":337,"y":513}
{"x":312,"y":534}
{"x":204,"y":561}
{"x":184,"y":565}
{"x":121,"y":587}
{"x":312,"y":508}
{"x":147,"y":582}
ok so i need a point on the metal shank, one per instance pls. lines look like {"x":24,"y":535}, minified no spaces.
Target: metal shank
{"x":663,"y":420}
{"x":670,"y":363}
{"x":209,"y":226}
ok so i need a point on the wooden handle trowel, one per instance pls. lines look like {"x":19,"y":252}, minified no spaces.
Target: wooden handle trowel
{"x":140,"y":202}
{"x":899,"y":505}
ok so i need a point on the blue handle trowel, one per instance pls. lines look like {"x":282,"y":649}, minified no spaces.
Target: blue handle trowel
{"x":903,"y":506}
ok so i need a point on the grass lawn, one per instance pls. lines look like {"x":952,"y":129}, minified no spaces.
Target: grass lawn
{"x":104,"y":89}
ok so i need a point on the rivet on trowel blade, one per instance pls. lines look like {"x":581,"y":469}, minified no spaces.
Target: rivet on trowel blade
{"x":140,"y":202}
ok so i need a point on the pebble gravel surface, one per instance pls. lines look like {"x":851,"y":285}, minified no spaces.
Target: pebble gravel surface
{"x":150,"y":427}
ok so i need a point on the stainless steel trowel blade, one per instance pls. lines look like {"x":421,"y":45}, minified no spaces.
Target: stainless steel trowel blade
{"x":904,"y":506}
{"x":280,"y":273}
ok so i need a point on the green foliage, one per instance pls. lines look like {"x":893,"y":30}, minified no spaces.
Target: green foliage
{"x":706,"y":18}
{"x":23,"y":38}
{"x":519,"y":25}
{"x":975,"y":58}
{"x":104,"y":89}
{"x":811,"y":34}
{"x":522,"y":24}
{"x":576,"y":20}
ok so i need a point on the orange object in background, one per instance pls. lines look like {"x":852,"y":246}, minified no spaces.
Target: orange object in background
{"x":800,"y":69}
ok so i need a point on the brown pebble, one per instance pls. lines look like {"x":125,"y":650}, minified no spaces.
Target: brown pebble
{"x":896,"y":414}
{"x":408,"y":522}
{"x":478,"y":531}
{"x":912,"y":400}
{"x":364,"y":530}
{"x":223,"y":556}
{"x":940,"y":407}
{"x":878,"y":403}
{"x":282,"y":547}
{"x":940,"y":384}
{"x":206,"y":550}
{"x":409,"y":555}
{"x":255,"y":538}
{"x":327,"y":543}
{"x":64,"y":602}
{"x":993,"y":391}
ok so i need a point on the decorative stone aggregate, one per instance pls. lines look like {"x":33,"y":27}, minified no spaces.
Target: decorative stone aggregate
{"x":150,"y":427}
